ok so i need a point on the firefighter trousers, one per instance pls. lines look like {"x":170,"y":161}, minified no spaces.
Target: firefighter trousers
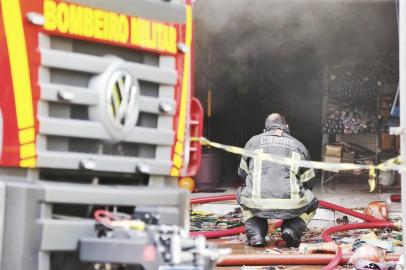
{"x":257,"y":227}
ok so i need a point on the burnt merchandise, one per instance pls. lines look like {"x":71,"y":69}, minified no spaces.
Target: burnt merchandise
{"x":351,"y":82}
{"x":349,"y":121}
{"x":203,"y":221}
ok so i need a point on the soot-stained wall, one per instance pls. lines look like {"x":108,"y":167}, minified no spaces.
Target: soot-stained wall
{"x":263,"y":56}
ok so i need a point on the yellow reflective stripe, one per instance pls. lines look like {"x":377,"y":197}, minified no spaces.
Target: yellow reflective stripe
{"x":27,"y":150}
{"x":177,"y":161}
{"x":179,"y":148}
{"x":175,"y":172}
{"x":244,"y":166}
{"x":257,"y":175}
{"x":13,"y":26}
{"x":186,"y":77}
{"x":306,"y":217}
{"x":294,"y":185}
{"x":20,"y":74}
{"x":183,"y":108}
{"x":28,"y":163}
{"x":264,"y":204}
{"x":26,"y":135}
{"x":307,"y":175}
{"x":294,"y":167}
{"x":246,"y":214}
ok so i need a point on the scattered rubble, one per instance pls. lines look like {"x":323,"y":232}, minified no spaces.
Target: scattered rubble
{"x":367,"y":248}
{"x":377,"y":209}
{"x":203,"y":221}
{"x":329,"y":248}
{"x":369,"y":253}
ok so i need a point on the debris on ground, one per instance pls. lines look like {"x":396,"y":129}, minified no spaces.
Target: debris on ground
{"x":377,"y":209}
{"x":368,"y":252}
{"x":329,"y":248}
{"x":204,"y":221}
{"x":370,"y":236}
{"x":369,"y":257}
{"x":342,"y":220}
{"x":366,"y":247}
{"x":386,"y":245}
{"x":269,"y":267}
{"x":273,"y":251}
{"x":366,"y":264}
{"x":400,"y":264}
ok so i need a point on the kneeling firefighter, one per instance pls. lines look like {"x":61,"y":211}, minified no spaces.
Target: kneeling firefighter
{"x":274,"y":191}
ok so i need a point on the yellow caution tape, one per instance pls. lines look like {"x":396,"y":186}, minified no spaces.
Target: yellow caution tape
{"x":393,"y":164}
{"x":372,"y":179}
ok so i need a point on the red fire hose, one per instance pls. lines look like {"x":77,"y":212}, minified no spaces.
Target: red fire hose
{"x":218,"y":234}
{"x":347,"y":211}
{"x":220,"y":198}
{"x":369,"y":225}
{"x":287,"y":259}
{"x":238,"y":230}
{"x":279,"y":259}
{"x":302,"y":259}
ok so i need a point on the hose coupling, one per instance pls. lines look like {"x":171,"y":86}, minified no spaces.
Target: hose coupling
{"x":397,"y":224}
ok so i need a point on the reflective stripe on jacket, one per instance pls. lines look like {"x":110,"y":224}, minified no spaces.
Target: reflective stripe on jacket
{"x":272,"y":190}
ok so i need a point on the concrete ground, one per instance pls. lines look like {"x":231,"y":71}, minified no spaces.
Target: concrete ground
{"x":351,"y":192}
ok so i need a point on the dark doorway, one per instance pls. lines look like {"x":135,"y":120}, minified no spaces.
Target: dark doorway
{"x":258,"y":57}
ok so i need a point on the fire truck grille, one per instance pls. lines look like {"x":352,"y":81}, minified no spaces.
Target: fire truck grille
{"x":71,"y":139}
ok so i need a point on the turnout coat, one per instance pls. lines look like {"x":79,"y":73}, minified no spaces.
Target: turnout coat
{"x":272,"y":190}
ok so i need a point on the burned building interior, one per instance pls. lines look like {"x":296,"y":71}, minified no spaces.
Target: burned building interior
{"x":258,"y":57}
{"x":332,"y":68}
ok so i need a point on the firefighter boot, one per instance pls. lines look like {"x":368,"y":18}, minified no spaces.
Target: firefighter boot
{"x":291,"y":238}
{"x":256,"y":230}
{"x":292,"y":230}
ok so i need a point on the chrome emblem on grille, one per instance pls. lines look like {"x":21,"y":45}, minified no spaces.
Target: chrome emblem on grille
{"x":118,"y":105}
{"x":121,"y":95}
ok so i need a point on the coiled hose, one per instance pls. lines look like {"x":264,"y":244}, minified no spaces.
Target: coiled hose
{"x":371,"y":222}
{"x":241,"y":229}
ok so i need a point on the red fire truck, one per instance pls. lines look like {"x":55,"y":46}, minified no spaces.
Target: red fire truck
{"x":55,"y":57}
{"x":97,"y":112}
